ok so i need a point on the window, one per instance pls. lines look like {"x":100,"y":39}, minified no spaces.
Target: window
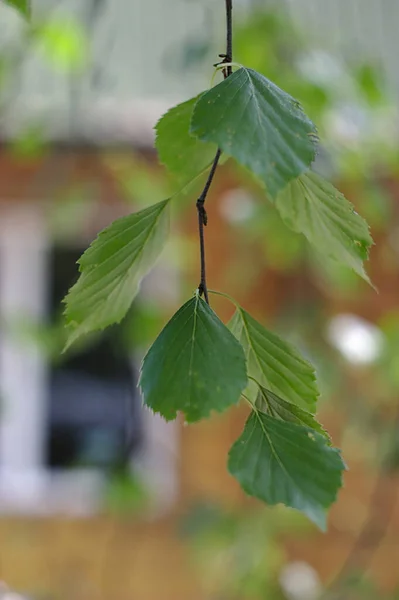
{"x":94,"y":404}
{"x":64,"y":426}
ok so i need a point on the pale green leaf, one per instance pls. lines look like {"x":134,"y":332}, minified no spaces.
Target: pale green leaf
{"x":184,"y":155}
{"x":312,"y":206}
{"x":194,"y":366}
{"x":274,"y":363}
{"x":113,"y":267}
{"x":22,"y":6}
{"x":275,"y":406}
{"x":280,"y":462}
{"x":258,"y":124}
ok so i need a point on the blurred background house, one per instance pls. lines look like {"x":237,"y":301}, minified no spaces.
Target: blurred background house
{"x":92,"y":487}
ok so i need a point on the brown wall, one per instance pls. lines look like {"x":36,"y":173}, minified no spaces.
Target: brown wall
{"x":114,"y":558}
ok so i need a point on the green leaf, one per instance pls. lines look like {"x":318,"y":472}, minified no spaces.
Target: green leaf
{"x":262,"y":127}
{"x":275,"y":406}
{"x":22,"y":6}
{"x":184,"y":155}
{"x":274,"y":363}
{"x":312,"y":206}
{"x":280,"y":462}
{"x":194,"y":366}
{"x":112,"y":269}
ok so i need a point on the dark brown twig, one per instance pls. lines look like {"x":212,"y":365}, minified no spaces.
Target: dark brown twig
{"x":202,"y":216}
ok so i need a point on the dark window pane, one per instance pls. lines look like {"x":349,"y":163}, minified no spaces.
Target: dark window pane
{"x":94,"y":404}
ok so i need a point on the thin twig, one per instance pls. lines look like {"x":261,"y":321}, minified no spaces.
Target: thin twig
{"x":202,"y":222}
{"x":202,"y":216}
{"x":229,"y":49}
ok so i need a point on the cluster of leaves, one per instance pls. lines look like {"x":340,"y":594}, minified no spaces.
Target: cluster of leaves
{"x":268,"y":40}
{"x":197,"y":364}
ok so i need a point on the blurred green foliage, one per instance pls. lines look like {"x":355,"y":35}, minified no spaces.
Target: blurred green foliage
{"x":63,"y":43}
{"x":239,"y":553}
{"x":126,"y":495}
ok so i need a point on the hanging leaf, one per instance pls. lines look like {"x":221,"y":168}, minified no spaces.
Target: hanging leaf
{"x":261,"y":126}
{"x":183,"y":154}
{"x":274,"y":363}
{"x":280,"y":462}
{"x":112,"y":269}
{"x":277,"y":407}
{"x":194,"y":366}
{"x":22,"y":6}
{"x":312,"y":206}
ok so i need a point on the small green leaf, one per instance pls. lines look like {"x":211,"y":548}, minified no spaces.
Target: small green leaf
{"x":280,"y":462}
{"x":112,"y":269}
{"x":274,"y":363}
{"x":275,"y":406}
{"x":194,"y":366}
{"x":184,"y":155}
{"x":22,"y":6}
{"x":312,"y":206}
{"x":262,"y":127}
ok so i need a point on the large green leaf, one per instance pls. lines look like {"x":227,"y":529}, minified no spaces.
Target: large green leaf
{"x":312,"y":206}
{"x":112,"y":269}
{"x":183,"y":154}
{"x":274,"y":363}
{"x":195,"y":365}
{"x":275,"y":406}
{"x":261,"y":126}
{"x":22,"y":6}
{"x":280,"y":462}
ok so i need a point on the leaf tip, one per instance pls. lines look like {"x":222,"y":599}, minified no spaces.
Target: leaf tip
{"x":320,"y":519}
{"x":73,"y":336}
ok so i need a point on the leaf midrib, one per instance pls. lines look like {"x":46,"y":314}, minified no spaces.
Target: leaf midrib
{"x":280,"y":462}
{"x":190,"y":368}
{"x":274,"y":452}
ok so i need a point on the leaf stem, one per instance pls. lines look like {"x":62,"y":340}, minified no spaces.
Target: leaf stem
{"x":223,"y":295}
{"x":255,"y":381}
{"x":202,"y":222}
{"x":251,"y":404}
{"x":222,"y":66}
{"x":202,"y":216}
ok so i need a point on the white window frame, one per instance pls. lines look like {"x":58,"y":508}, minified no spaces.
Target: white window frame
{"x":27,"y":486}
